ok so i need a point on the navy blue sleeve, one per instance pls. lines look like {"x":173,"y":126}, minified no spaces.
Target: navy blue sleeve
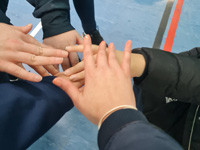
{"x":128,"y":129}
{"x":55,"y":16}
{"x":28,"y":110}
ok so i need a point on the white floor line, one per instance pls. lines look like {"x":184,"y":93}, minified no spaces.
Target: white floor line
{"x":36,"y":30}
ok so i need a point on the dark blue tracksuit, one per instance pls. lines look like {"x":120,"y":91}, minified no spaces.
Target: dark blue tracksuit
{"x":128,"y":129}
{"x":28,"y":110}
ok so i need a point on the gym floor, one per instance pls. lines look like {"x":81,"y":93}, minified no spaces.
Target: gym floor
{"x":118,"y":21}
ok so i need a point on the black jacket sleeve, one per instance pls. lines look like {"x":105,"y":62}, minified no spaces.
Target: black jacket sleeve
{"x":3,"y":9}
{"x":4,"y":18}
{"x":28,"y":110}
{"x":55,"y":16}
{"x":128,"y":129}
{"x":170,"y":75}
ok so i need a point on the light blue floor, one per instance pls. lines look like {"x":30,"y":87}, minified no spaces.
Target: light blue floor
{"x":118,"y":21}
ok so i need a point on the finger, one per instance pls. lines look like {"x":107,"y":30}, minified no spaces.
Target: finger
{"x":79,"y":48}
{"x":73,"y":57}
{"x":112,"y":56}
{"x":57,"y":67}
{"x":31,"y":59}
{"x":127,"y":59}
{"x":102,"y":56}
{"x":75,"y":69}
{"x":66,"y":63}
{"x":67,"y":86}
{"x":42,"y":51}
{"x":19,"y":72}
{"x":89,"y":60}
{"x":40,"y":70}
{"x":25,"y":29}
{"x":79,"y":84}
{"x":77,"y":76}
{"x":29,"y":39}
{"x":51,"y":69}
{"x":20,"y":64}
{"x":75,"y":48}
{"x":81,"y":89}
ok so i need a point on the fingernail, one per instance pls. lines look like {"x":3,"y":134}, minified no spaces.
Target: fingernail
{"x":67,"y":72}
{"x":87,"y":36}
{"x":68,"y":47}
{"x":38,"y":78}
{"x":57,"y":82}
{"x":72,"y":77}
{"x":64,"y":52}
{"x":30,"y":24}
{"x":103,"y":43}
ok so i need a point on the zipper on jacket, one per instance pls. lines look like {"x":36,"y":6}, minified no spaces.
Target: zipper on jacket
{"x":194,"y":120}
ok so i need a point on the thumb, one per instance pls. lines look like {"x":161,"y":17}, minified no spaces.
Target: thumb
{"x":67,"y":86}
{"x":25,"y":29}
{"x":79,"y":40}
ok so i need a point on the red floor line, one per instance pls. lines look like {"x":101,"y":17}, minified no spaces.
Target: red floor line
{"x":173,"y":26}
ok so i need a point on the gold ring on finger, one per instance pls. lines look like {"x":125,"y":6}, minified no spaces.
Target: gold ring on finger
{"x":33,"y":58}
{"x":40,"y":49}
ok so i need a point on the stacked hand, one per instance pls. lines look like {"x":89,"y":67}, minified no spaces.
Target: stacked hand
{"x":61,"y":41}
{"x":76,"y":72}
{"x":107,"y":84}
{"x":17,"y":47}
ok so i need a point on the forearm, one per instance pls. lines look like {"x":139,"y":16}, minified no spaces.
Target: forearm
{"x":137,"y":63}
{"x":55,"y":16}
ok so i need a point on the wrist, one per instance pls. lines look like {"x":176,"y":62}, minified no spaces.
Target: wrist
{"x":108,"y":113}
{"x":138,"y":64}
{"x":54,"y":23}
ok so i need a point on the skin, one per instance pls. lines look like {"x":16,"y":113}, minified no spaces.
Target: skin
{"x":17,"y":47}
{"x":60,"y":41}
{"x":107,"y":84}
{"x":76,"y":72}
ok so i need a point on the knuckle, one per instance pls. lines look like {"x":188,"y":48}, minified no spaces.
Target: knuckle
{"x":43,"y":72}
{"x":40,"y":50}
{"x":13,"y":43}
{"x":27,"y":37}
{"x":18,"y":72}
{"x":33,"y":59}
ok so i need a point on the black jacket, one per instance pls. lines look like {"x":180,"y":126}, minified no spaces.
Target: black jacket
{"x":54,"y":14}
{"x":168,"y":93}
{"x":128,"y":129}
{"x":3,"y":9}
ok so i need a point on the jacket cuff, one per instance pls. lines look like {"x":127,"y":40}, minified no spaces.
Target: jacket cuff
{"x":137,"y":80}
{"x":55,"y":22}
{"x":115,"y":122}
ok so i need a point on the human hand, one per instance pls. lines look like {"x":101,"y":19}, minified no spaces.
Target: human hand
{"x":107,"y":84}
{"x":61,"y":41}
{"x":76,"y":72}
{"x":78,"y":84}
{"x":17,"y":47}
